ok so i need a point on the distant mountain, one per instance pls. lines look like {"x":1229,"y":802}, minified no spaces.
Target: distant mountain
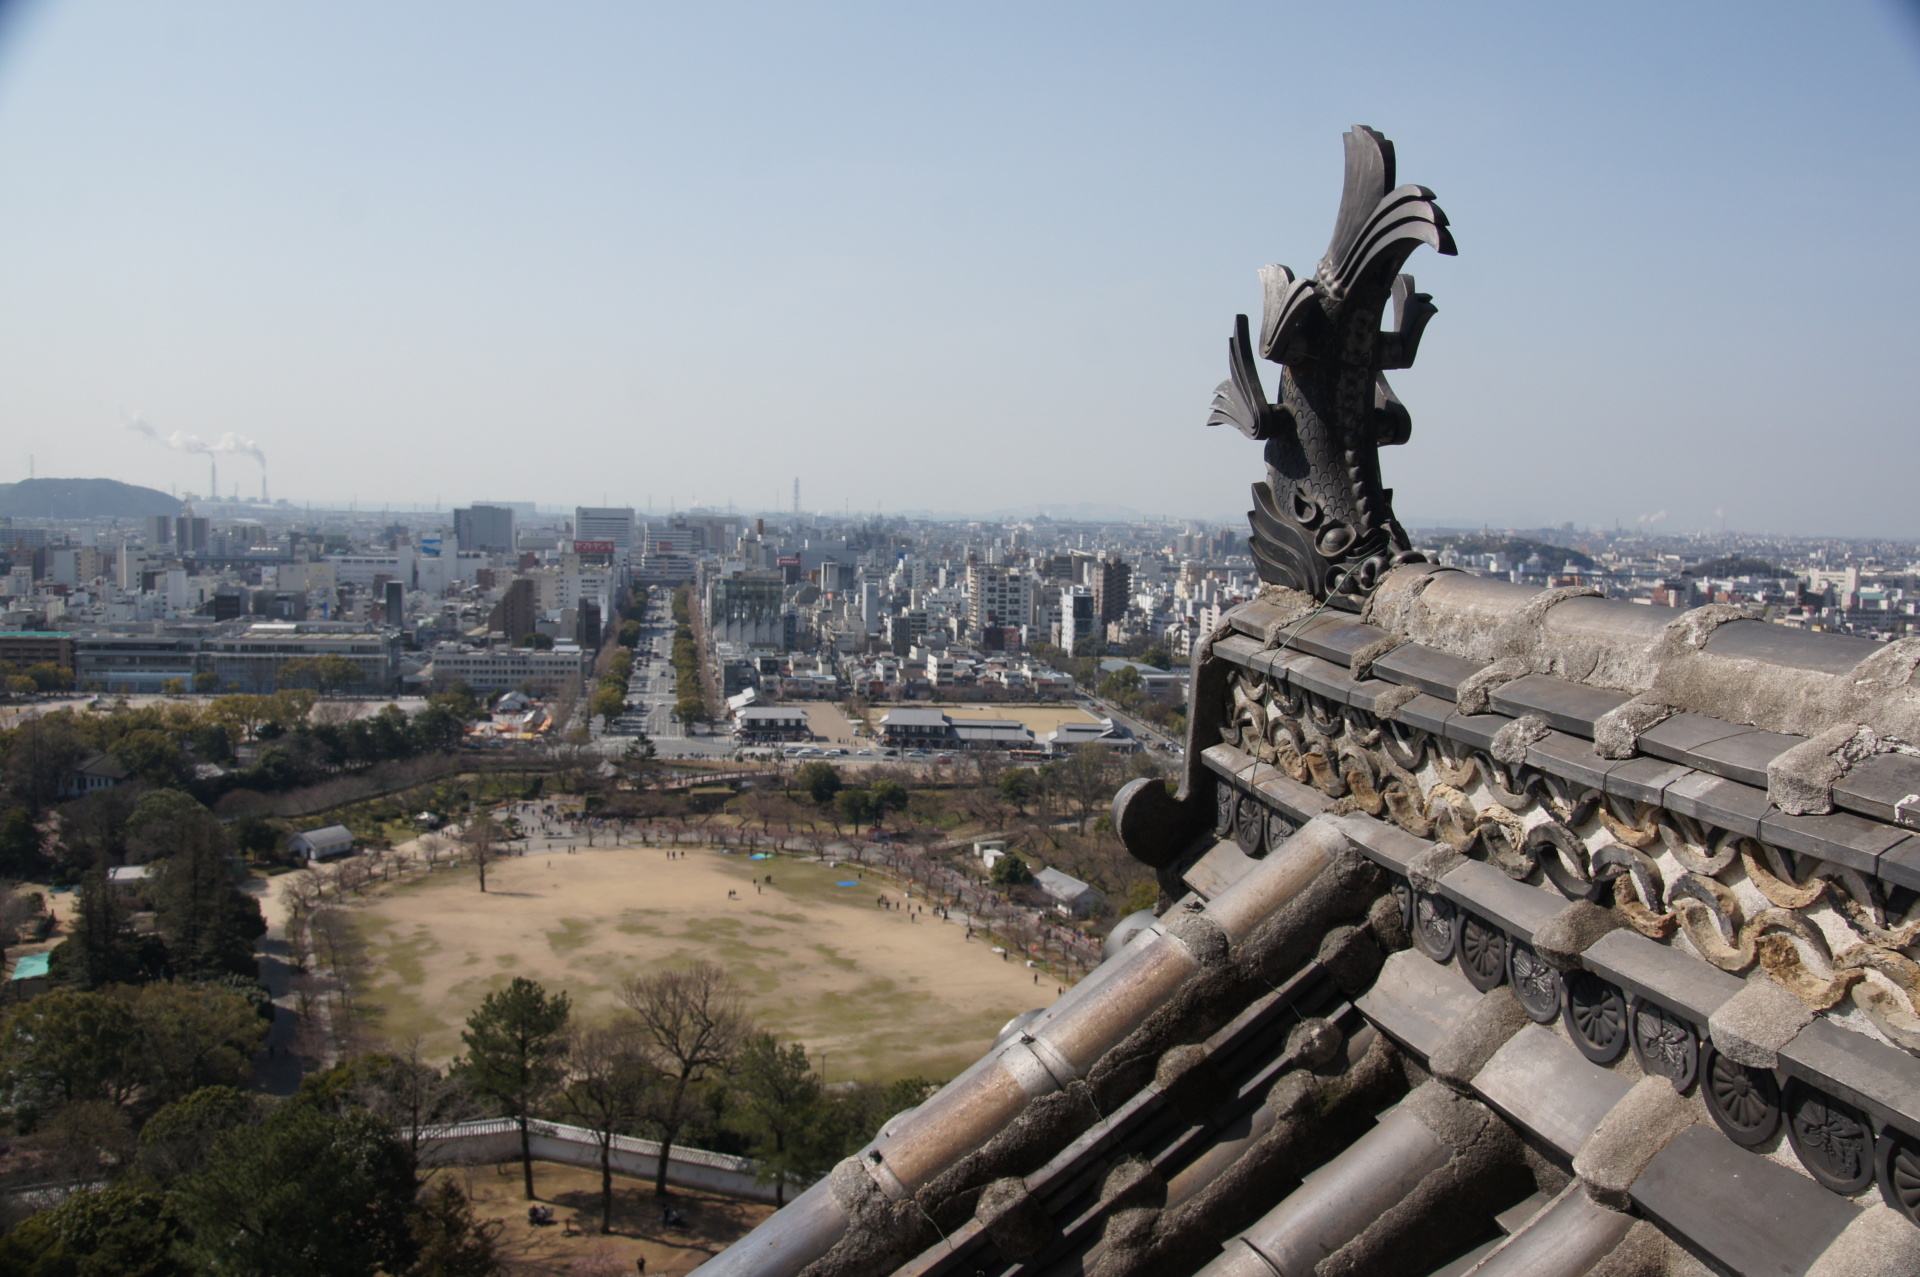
{"x":1516,"y":549}
{"x":83,"y":499}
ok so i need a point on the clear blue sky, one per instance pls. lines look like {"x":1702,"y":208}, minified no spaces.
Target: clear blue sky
{"x":955,"y":257}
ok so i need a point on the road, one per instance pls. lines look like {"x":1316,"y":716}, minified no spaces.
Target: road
{"x":650,"y":693}
{"x":1145,"y":731}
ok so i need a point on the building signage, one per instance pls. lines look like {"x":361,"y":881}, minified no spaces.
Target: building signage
{"x":789,"y":561}
{"x":593,"y":547}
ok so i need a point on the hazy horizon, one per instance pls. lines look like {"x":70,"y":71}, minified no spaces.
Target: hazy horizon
{"x":938,"y":260}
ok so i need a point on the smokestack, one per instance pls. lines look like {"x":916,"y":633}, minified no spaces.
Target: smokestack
{"x":213,"y":478}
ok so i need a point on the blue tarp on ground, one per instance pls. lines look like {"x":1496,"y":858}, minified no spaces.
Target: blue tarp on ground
{"x":846,"y":884}
{"x":31,"y":967}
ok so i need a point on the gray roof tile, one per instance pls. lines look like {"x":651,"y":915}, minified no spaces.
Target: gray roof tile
{"x":1732,"y":1205}
{"x":1428,"y":669}
{"x":1567,"y":706}
{"x":1842,"y":837}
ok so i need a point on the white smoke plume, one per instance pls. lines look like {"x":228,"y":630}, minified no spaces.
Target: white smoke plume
{"x":181,"y":441}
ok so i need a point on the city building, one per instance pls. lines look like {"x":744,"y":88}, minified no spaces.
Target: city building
{"x":250,"y":660}
{"x":912,"y":728}
{"x":517,"y":611}
{"x":1112,"y":584}
{"x":484,"y":529}
{"x":761,"y":724}
{"x":22,"y":648}
{"x":561,"y":670}
{"x":1078,"y":622}
{"x":746,"y":609}
{"x":604,"y":530}
{"x":997,"y":596}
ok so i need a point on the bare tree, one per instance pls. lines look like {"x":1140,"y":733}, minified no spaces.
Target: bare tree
{"x":413,"y":1095}
{"x":333,"y":713}
{"x":433,"y":848}
{"x":479,"y":838}
{"x":575,"y":763}
{"x":692,"y":1025}
{"x":609,"y":1079}
{"x":1086,"y":780}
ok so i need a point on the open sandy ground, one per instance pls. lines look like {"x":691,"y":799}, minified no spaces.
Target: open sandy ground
{"x":1040,"y":719}
{"x":829,"y":723}
{"x":819,"y":963}
{"x":712,"y":1222}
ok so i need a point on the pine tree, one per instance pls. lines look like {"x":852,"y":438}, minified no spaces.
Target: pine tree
{"x":515,"y":1053}
{"x":102,"y":949}
{"x":209,"y":924}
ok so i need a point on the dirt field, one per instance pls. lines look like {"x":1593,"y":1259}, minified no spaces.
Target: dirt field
{"x":819,"y":963}
{"x":829,"y":722}
{"x":712,"y":1222}
{"x":1040,"y":719}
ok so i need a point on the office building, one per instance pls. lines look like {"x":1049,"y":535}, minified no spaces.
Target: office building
{"x":604,"y":530}
{"x":1112,"y":583}
{"x":1077,"y":618}
{"x":484,"y":529}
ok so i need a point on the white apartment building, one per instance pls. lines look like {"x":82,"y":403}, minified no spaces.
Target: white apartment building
{"x":998,"y":596}
{"x":362,"y":569}
{"x":558,"y":589}
{"x":564,"y":669}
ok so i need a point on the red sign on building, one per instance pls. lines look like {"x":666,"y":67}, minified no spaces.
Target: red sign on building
{"x":593,"y":547}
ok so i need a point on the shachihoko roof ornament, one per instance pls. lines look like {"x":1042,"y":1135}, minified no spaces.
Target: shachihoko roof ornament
{"x":1322,"y":522}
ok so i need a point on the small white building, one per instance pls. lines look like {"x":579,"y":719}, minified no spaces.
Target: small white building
{"x":318,"y":844}
{"x":130,"y":880}
{"x":990,"y":850}
{"x":1069,"y":895}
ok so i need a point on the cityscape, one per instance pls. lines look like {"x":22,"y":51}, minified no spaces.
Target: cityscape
{"x":503,"y":598}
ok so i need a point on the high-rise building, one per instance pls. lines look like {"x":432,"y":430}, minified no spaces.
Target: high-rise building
{"x":1112,"y":584}
{"x":997,"y":596}
{"x":1076,"y":617}
{"x":396,"y":604}
{"x":484,"y":529}
{"x":190,"y":533}
{"x":613,"y":525}
{"x":129,"y":566}
{"x":514,"y":615}
{"x":666,"y":551}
